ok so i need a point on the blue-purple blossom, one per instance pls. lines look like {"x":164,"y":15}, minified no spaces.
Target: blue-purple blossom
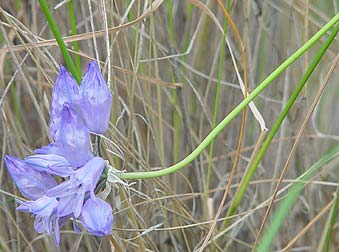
{"x":73,"y":137}
{"x":96,"y":217}
{"x":44,"y":210}
{"x":74,"y":113}
{"x":65,"y":90}
{"x":50,"y":163}
{"x":31,"y":183}
{"x":96,"y":99}
{"x":72,"y":192}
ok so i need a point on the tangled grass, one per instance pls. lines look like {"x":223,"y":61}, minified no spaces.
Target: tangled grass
{"x":173,"y":79}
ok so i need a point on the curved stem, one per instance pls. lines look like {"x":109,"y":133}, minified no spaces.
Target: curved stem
{"x":209,"y":138}
{"x":252,"y":169}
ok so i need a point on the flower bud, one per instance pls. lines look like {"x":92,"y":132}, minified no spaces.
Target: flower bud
{"x":96,"y":99}
{"x":65,"y":90}
{"x":31,"y":183}
{"x":73,"y":137}
{"x":96,"y":217}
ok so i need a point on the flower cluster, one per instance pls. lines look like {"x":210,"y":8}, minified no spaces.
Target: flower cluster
{"x":75,"y":112}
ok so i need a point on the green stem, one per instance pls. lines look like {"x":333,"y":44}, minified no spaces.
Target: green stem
{"x":60,"y":41}
{"x":74,"y":32}
{"x":234,"y":112}
{"x":216,"y":103}
{"x":247,"y":178}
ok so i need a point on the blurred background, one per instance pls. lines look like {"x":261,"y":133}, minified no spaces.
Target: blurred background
{"x":162,"y":63}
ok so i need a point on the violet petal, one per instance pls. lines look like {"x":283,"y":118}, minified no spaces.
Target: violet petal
{"x":73,"y":137}
{"x":50,"y":163}
{"x":31,"y":183}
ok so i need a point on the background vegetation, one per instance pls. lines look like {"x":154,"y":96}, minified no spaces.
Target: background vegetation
{"x":173,"y":79}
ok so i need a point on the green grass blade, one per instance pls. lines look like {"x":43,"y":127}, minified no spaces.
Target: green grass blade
{"x":291,"y":197}
{"x":332,"y":217}
{"x":60,"y":41}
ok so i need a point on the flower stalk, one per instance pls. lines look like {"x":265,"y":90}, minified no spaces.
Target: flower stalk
{"x":60,"y":41}
{"x":210,"y":137}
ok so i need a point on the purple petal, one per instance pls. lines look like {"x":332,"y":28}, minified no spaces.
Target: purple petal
{"x":96,"y":217}
{"x":57,"y":232}
{"x":50,"y":163}
{"x":73,"y":137}
{"x":39,"y":224}
{"x":43,"y":207}
{"x":52,"y":148}
{"x":65,"y":206}
{"x":79,"y":201}
{"x":96,"y":99}
{"x":64,"y":189}
{"x":90,"y":173}
{"x":31,"y":183}
{"x":65,"y":90}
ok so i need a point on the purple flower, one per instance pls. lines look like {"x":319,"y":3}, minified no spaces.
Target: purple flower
{"x":44,"y":210}
{"x":73,"y":137}
{"x":69,"y":156}
{"x":96,"y":99}
{"x":96,"y":217}
{"x":31,"y":183}
{"x":50,"y":163}
{"x":65,"y":90}
{"x":72,"y":192}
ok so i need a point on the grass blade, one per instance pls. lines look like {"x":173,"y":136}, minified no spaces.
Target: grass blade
{"x":291,"y":197}
{"x":59,"y":39}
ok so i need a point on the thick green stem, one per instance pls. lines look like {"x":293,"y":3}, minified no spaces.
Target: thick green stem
{"x":234,"y":112}
{"x":248,"y":176}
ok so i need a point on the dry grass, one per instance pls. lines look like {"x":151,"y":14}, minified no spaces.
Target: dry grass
{"x":163,"y":83}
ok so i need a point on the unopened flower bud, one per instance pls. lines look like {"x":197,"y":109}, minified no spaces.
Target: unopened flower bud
{"x":96,"y":217}
{"x":96,"y":99}
{"x":65,"y":90}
